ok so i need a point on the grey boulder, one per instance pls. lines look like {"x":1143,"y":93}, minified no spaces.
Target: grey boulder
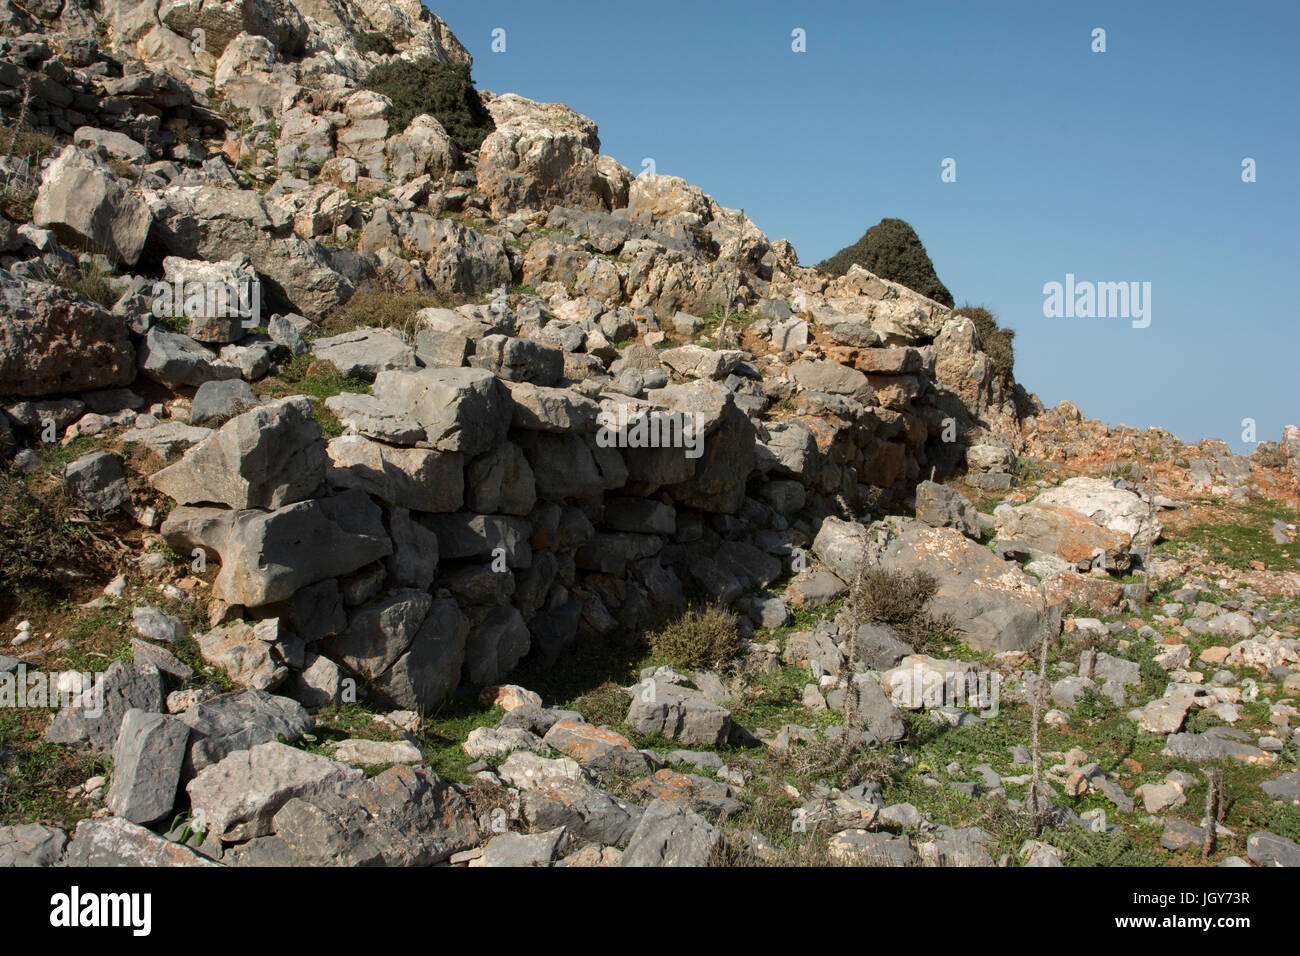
{"x":217,"y":402}
{"x":31,"y":844}
{"x":519,"y":360}
{"x":461,"y":409}
{"x":96,"y":482}
{"x":365,"y":353}
{"x":672,"y":835}
{"x":268,"y":457}
{"x":95,"y":716}
{"x":147,"y":764}
{"x":114,"y":842}
{"x":83,"y":201}
{"x":681,"y":713}
{"x":943,"y":507}
{"x":237,"y":797}
{"x":177,"y":361}
{"x":240,"y":721}
{"x":406,"y":816}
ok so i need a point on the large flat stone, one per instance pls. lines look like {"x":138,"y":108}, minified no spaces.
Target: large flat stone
{"x":269,"y":457}
{"x":237,"y":797}
{"x":268,"y":556}
{"x":463,"y":410}
{"x":421,"y":479}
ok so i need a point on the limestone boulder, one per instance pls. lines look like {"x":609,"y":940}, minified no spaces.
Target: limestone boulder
{"x":54,"y":341}
{"x":268,"y":457}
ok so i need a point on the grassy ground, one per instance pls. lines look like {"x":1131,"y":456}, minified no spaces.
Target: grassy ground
{"x":1239,"y":536}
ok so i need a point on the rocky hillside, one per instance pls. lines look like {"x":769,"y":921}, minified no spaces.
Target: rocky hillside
{"x":371,"y":500}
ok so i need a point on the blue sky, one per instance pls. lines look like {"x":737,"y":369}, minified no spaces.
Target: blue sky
{"x":1123,"y":166}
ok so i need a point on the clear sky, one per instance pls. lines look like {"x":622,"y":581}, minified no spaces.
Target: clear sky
{"x":1122,"y":166}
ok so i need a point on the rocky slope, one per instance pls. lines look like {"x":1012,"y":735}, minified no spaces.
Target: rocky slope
{"x":323,"y":534}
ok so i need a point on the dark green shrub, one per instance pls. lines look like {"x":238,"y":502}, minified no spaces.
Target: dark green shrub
{"x":705,"y":637}
{"x":375,"y":42}
{"x":892,"y":250}
{"x":1028,"y":470}
{"x":996,"y":341}
{"x":427,"y":86}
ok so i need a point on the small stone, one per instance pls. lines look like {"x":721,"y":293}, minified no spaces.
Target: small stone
{"x":1181,"y":835}
{"x":1157,"y":797}
{"x":377,"y":753}
{"x":508,"y":697}
{"x":153,"y":624}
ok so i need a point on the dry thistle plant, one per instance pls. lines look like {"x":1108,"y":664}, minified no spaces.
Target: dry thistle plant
{"x":1036,"y":799}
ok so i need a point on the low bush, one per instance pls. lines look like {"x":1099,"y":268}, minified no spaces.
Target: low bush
{"x":604,"y":704}
{"x":89,"y":284}
{"x":377,"y":307}
{"x":995,"y":340}
{"x":701,"y":637}
{"x":899,"y":599}
{"x":372,"y":41}
{"x":427,"y":86}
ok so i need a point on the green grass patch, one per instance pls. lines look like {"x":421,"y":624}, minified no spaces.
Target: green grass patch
{"x":778,"y":699}
{"x":1248,"y":538}
{"x":35,"y":776}
{"x":445,"y":731}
